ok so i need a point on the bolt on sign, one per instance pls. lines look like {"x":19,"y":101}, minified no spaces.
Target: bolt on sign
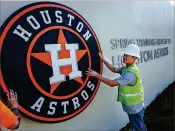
{"x":46,"y":48}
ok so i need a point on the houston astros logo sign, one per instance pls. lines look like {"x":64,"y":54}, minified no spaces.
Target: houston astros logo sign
{"x":46,"y":49}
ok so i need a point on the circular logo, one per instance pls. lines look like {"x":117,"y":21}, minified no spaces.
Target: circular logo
{"x":46,"y":49}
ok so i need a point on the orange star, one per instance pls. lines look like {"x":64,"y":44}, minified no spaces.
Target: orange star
{"x":45,"y":57}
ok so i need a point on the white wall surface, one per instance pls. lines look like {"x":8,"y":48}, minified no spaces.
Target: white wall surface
{"x":117,"y":20}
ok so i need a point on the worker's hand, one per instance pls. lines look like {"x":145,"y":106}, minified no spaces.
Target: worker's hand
{"x":101,"y":56}
{"x":91,"y":73}
{"x":12,"y":99}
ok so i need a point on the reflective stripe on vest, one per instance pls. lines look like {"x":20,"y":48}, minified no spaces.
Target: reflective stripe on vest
{"x":129,"y":95}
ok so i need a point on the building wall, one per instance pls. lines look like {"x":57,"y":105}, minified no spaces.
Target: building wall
{"x":113,"y":23}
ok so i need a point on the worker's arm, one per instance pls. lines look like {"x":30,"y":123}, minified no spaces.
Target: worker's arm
{"x":7,"y":118}
{"x":108,"y":64}
{"x":127,"y":78}
{"x":105,"y":80}
{"x":15,"y":125}
{"x":12,"y":101}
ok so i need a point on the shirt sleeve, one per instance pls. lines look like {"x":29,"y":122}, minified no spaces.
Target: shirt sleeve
{"x":119,"y":70}
{"x":126,"y":78}
{"x":7,"y":117}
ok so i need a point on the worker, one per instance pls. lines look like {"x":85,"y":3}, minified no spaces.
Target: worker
{"x":130,"y":87}
{"x":9,"y":115}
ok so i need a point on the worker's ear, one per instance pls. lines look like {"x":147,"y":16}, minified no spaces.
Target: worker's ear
{"x":134,"y":58}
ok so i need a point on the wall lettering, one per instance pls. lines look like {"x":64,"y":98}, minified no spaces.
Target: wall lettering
{"x":145,"y":55}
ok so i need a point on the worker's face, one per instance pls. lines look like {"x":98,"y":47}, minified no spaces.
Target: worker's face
{"x":128,"y":60}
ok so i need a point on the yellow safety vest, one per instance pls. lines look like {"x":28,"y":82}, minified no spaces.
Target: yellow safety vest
{"x":131,"y":95}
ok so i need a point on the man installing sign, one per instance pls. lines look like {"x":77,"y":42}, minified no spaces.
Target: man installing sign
{"x":130,"y":87}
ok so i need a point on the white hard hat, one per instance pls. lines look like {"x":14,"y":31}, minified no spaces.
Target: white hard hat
{"x":132,"y":50}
